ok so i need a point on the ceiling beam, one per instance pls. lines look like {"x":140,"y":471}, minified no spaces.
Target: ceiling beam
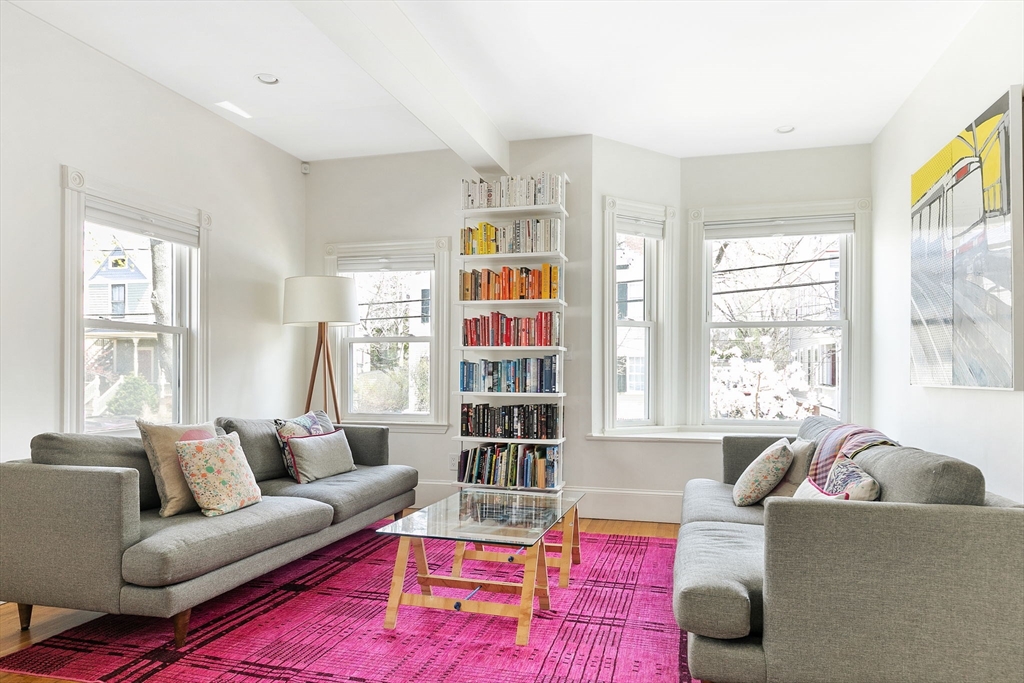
{"x":384,"y":43}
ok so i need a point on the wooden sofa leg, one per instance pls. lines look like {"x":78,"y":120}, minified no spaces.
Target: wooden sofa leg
{"x":25,"y":615}
{"x":398,"y":515}
{"x":181,"y":627}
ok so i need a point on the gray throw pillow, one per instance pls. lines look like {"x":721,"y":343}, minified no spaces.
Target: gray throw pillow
{"x":320,"y":455}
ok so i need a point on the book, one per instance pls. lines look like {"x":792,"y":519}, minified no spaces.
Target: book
{"x":510,"y":191}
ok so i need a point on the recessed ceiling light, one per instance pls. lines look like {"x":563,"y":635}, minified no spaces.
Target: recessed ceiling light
{"x":267,"y":79}
{"x":234,"y":109}
{"x":785,"y":129}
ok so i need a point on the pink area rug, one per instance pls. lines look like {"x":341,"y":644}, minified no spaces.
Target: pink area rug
{"x":320,"y":619}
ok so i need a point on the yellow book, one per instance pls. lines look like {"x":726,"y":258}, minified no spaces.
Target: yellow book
{"x":540,"y":470}
{"x":545,"y":281}
{"x":554,"y":283}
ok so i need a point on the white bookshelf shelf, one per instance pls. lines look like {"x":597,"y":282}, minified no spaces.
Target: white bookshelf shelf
{"x":494,"y":349}
{"x":535,"y":489}
{"x":514,"y":212}
{"x":509,"y":303}
{"x":523,"y":257}
{"x":513,"y":394}
{"x":487,"y":439}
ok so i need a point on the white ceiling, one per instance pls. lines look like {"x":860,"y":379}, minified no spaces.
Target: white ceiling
{"x":683,"y":78}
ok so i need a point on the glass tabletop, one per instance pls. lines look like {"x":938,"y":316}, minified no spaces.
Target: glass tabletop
{"x":510,"y":517}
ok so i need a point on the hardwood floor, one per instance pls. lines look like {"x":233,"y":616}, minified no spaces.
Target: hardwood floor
{"x":49,"y":621}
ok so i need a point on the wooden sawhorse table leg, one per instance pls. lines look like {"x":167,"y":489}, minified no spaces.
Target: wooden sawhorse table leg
{"x":570,"y":547}
{"x":535,"y":583}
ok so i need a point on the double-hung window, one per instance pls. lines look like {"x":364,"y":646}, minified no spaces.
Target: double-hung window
{"x":776,"y":323}
{"x":393,"y":368}
{"x":132,"y":331}
{"x":633,"y":311}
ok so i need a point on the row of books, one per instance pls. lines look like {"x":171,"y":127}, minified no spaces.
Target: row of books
{"x":535,"y":375}
{"x":498,"y":329}
{"x":511,"y":465}
{"x":506,"y":191}
{"x":520,"y":237}
{"x":509,"y":283}
{"x":522,"y":421}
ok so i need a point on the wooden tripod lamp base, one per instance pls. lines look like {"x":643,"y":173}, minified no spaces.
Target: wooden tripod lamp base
{"x":321,"y":300}
{"x":323,"y":347}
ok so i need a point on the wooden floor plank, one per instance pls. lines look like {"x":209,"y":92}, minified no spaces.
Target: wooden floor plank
{"x":49,"y":621}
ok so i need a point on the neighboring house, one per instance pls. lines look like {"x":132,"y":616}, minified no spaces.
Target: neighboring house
{"x":119,"y":289}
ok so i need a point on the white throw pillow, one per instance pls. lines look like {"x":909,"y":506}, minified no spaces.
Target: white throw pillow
{"x":762,"y":475}
{"x":803,"y":452}
{"x":809,"y":489}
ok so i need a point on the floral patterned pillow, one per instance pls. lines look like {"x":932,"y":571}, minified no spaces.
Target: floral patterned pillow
{"x":762,"y":475}
{"x":848,"y":477}
{"x":218,"y":474}
{"x":303,"y":425}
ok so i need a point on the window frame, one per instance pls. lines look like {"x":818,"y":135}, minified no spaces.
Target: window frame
{"x":657,"y":222}
{"x":342,"y":338}
{"x":151,"y":217}
{"x":853,"y":296}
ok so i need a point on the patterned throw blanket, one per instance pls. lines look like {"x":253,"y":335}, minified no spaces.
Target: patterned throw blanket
{"x":848,"y":440}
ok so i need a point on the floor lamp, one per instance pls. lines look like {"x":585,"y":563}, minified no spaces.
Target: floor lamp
{"x":321,"y":300}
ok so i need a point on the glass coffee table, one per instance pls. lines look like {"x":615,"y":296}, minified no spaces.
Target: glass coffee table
{"x":484,"y":517}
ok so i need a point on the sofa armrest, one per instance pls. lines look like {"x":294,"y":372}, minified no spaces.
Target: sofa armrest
{"x":63,"y":530}
{"x":857,"y":591}
{"x":740,"y":450}
{"x":369,"y":444}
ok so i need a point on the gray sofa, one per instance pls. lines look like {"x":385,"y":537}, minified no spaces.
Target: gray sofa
{"x":79,"y":526}
{"x":926,"y":584}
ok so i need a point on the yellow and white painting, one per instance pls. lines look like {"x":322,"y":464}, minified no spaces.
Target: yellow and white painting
{"x":961,"y":261}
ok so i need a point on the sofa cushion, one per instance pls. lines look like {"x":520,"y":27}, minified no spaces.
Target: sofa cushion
{"x":813,"y":428}
{"x":803,"y":451}
{"x":95,"y":450}
{"x":910,"y":475}
{"x":718,"y":579}
{"x":351,"y":492}
{"x":705,"y":500}
{"x":260,"y":445}
{"x":179,"y":548}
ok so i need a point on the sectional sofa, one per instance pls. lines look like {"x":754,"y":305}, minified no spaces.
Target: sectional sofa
{"x":79,"y":526}
{"x":925,"y":584}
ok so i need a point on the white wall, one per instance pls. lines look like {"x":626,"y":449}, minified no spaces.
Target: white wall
{"x":980,"y":426}
{"x":62,"y":102}
{"x":413,"y":196}
{"x":391,"y":198}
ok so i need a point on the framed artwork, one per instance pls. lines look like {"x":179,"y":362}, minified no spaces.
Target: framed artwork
{"x":967,"y":316}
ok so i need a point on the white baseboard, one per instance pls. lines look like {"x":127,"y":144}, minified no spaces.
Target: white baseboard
{"x":600,"y":503}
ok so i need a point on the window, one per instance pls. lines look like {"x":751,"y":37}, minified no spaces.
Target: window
{"x":133,"y":338}
{"x":394,"y":364}
{"x":776,"y":325}
{"x":632,"y":311}
{"x":117,"y":301}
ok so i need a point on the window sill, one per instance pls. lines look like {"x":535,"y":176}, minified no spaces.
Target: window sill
{"x":403,"y":427}
{"x":689,"y":435}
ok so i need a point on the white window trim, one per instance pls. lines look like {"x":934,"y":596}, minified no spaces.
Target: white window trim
{"x":78,"y":189}
{"x":664,"y":342}
{"x":437,"y":420}
{"x":855,"y":286}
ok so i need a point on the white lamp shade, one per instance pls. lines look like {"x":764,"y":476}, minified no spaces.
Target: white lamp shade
{"x":315,"y":299}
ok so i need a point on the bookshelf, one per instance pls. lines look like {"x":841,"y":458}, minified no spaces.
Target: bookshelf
{"x":511,"y":369}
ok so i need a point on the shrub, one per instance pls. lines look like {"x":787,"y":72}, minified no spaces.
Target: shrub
{"x":130,"y":397}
